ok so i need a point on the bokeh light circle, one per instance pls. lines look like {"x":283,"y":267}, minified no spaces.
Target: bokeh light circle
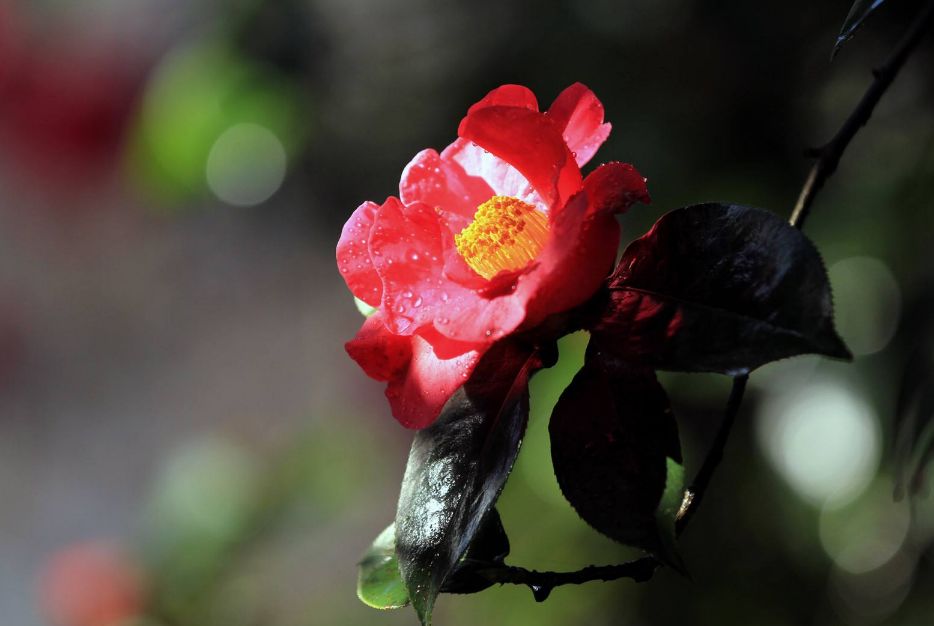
{"x":823,"y":440}
{"x":867,"y":303}
{"x":246,"y":165}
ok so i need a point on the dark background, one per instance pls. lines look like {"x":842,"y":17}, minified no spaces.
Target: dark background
{"x":173,"y":180}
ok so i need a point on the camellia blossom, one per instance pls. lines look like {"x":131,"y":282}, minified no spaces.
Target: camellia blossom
{"x":486,"y":239}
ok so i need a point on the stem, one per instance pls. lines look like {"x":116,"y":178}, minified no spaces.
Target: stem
{"x":542,"y":583}
{"x":695,"y":493}
{"x":829,"y":155}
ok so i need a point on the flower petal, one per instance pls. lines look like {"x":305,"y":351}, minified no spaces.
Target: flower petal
{"x":503,"y":178}
{"x":531,"y":143}
{"x":380,"y":353}
{"x":509,"y":96}
{"x":575,"y":262}
{"x":584,"y":242}
{"x":579,"y":115}
{"x":614,"y":187}
{"x":353,"y":255}
{"x":411,"y":247}
{"x":420,"y":381}
{"x":407,"y":248}
{"x":442,"y":183}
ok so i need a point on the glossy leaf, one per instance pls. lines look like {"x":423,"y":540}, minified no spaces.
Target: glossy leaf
{"x":379,"y":583}
{"x":612,"y":433}
{"x":719,"y":288}
{"x":854,"y":19}
{"x":457,"y":468}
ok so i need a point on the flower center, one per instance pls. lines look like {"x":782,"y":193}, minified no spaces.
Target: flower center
{"x":506,"y":234}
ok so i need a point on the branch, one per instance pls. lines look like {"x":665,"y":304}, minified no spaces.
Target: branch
{"x":542,"y":583}
{"x":695,"y":493}
{"x":829,"y":155}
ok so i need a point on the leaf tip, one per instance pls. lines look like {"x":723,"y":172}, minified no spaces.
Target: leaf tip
{"x":835,"y":348}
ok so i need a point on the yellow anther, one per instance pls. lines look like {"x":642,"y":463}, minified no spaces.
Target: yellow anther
{"x":506,"y":234}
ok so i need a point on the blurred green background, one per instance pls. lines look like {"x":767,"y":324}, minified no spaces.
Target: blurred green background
{"x":181,"y":431}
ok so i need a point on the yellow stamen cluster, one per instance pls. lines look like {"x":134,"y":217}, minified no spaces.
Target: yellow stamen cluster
{"x":506,"y":234}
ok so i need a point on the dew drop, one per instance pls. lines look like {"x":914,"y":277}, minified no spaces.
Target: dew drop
{"x":407,"y":294}
{"x":444,"y":296}
{"x":443,"y":320}
{"x":418,"y":302}
{"x":400,"y":308}
{"x":488,"y":332}
{"x":413,"y":256}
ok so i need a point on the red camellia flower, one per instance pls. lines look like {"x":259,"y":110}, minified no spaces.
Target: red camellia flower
{"x":486,"y":239}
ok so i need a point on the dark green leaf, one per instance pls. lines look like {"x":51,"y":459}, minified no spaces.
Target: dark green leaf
{"x":719,"y":288}
{"x":858,"y":13}
{"x":379,"y":583}
{"x":612,"y":432}
{"x":457,"y":468}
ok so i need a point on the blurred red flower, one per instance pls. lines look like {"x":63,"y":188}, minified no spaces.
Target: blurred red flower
{"x":92,"y":584}
{"x":486,"y":239}
{"x":66,"y":99}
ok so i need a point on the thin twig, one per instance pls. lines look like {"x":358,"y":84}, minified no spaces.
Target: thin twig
{"x":829,"y":155}
{"x":542,"y":583}
{"x":695,"y":493}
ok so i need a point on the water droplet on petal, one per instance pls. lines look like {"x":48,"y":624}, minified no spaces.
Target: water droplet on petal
{"x":418,"y":302}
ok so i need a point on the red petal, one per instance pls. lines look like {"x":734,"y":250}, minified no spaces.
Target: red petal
{"x":531,"y":143}
{"x":584,"y":242}
{"x":503,"y":178}
{"x":420,"y":381}
{"x":381,"y":354}
{"x":353,"y":255}
{"x":410,"y":246}
{"x":614,"y":187}
{"x":509,"y":96}
{"x":575,"y":262}
{"x":407,"y":249}
{"x":442,"y":183}
{"x":579,"y":114}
